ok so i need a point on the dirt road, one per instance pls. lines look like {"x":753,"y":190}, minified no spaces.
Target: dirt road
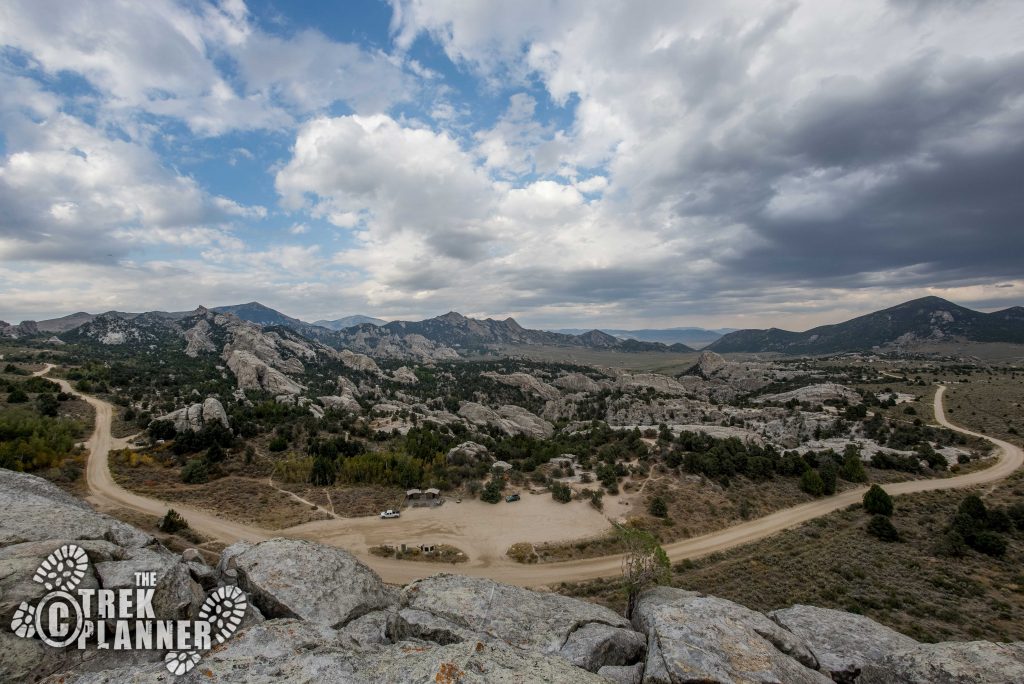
{"x":485,"y":531}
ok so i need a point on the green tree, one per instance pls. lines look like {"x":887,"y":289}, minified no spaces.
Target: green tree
{"x":172,"y":522}
{"x":195,"y":472}
{"x":658,"y":507}
{"x":324,"y":471}
{"x":47,"y":405}
{"x":853,"y":467}
{"x":877,"y":501}
{"x":644,"y":564}
{"x":17,"y":396}
{"x":492,"y":490}
{"x":215,"y":454}
{"x":828,"y":472}
{"x":811,"y":482}
{"x":561,"y":492}
{"x":882,"y":528}
{"x":973,"y":507}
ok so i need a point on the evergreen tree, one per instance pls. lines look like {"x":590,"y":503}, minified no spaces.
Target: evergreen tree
{"x":658,"y":507}
{"x":811,"y":482}
{"x":561,"y":492}
{"x":492,"y":491}
{"x":172,"y":522}
{"x":195,"y":472}
{"x":877,"y":501}
{"x":853,"y":468}
{"x":324,"y":471}
{"x":828,"y":472}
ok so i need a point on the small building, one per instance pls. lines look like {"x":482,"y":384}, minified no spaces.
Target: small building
{"x":423,"y":497}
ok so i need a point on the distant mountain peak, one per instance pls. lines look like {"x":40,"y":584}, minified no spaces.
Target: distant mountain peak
{"x":453,"y":317}
{"x":919,"y":321}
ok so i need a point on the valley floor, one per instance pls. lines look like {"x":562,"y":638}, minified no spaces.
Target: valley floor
{"x":485,"y":531}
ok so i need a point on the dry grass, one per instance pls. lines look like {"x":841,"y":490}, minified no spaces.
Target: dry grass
{"x":240,"y":499}
{"x":989,"y":403}
{"x":349,"y":502}
{"x":185,"y":539}
{"x":696,"y":506}
{"x":832,"y":562}
{"x":119,"y":427}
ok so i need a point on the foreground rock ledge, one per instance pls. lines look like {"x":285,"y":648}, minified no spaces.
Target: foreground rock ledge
{"x":319,"y":615}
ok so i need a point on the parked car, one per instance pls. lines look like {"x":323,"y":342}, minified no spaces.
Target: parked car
{"x":390,"y":513}
{"x":512,"y":497}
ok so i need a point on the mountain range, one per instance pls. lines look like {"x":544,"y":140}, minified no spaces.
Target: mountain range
{"x":907,"y":325}
{"x":435,"y":338}
{"x":691,"y":337}
{"x":457,"y":332}
{"x":349,"y":322}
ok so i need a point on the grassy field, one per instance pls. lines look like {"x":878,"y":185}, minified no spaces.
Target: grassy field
{"x":989,"y":403}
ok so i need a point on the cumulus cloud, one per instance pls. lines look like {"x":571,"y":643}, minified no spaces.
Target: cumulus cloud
{"x":599,"y":161}
{"x":164,"y":58}
{"x":70,"y":193}
{"x":757,"y":142}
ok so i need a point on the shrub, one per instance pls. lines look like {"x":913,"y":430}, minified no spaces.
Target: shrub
{"x":324,"y":471}
{"x":161,"y":429}
{"x":877,"y":501}
{"x":853,"y":468}
{"x":278,"y":443}
{"x":18,"y":396}
{"x":1016,"y":513}
{"x":561,"y":492}
{"x":828,"y":473}
{"x":492,"y":491}
{"x":973,"y":507}
{"x":195,"y":472}
{"x":882,"y":528}
{"x":989,"y":543}
{"x":811,"y":483}
{"x":951,"y":544}
{"x":47,"y":405}
{"x":215,"y":454}
{"x":658,"y":507}
{"x":173,"y":522}
{"x":999,"y":520}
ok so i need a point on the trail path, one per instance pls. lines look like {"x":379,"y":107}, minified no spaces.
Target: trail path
{"x":485,"y":531}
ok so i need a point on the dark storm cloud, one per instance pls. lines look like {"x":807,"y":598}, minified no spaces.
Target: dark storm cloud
{"x":851,"y":123}
{"x":935,"y":149}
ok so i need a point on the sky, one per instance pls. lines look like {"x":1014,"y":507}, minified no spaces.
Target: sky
{"x":590,"y":163}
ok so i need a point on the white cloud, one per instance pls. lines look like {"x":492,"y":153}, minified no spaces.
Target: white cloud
{"x":725,"y":156}
{"x":405,"y":178}
{"x":161,"y":57}
{"x":70,"y":193}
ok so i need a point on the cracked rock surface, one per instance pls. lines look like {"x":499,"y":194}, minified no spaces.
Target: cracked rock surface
{"x":317,"y":614}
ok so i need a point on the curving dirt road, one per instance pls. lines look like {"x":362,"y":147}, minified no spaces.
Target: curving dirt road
{"x":356,"y":534}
